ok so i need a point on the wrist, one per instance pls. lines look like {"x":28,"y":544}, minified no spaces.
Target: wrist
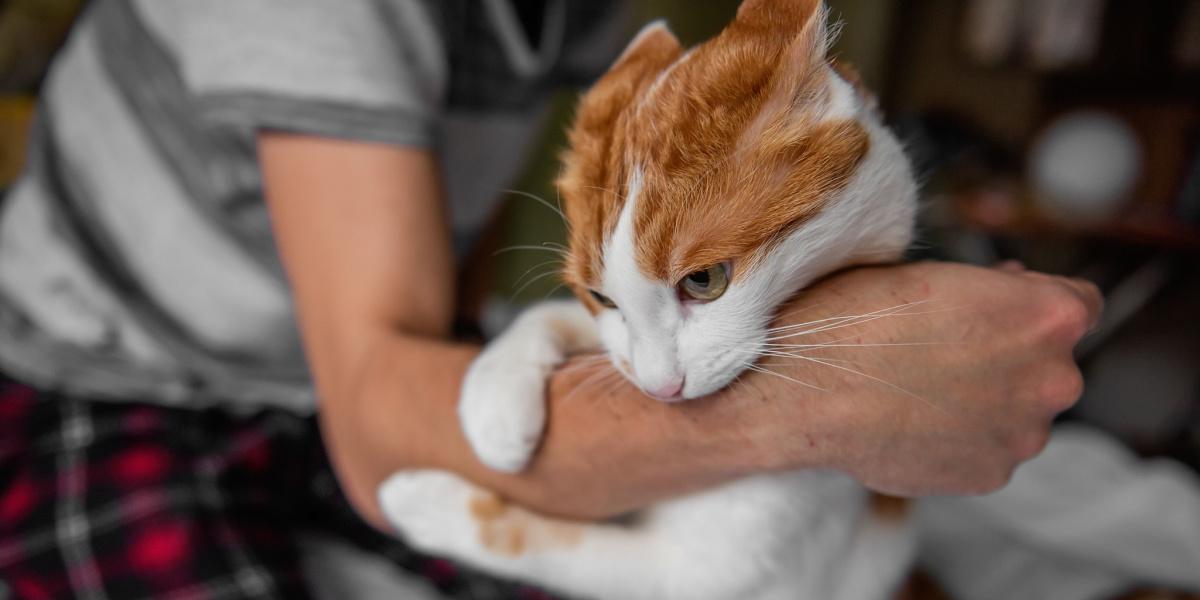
{"x":777,"y":427}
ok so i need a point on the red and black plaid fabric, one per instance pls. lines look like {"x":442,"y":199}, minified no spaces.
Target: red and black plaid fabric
{"x":102,"y":500}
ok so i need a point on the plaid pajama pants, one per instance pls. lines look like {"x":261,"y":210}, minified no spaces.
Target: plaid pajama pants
{"x":101,"y":500}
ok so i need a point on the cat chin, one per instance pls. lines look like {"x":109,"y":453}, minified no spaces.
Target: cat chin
{"x":706,"y":390}
{"x":677,"y":399}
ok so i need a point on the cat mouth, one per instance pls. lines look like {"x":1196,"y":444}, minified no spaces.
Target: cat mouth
{"x":677,"y":397}
{"x":669,"y":391}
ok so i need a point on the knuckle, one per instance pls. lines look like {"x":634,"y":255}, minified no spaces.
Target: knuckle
{"x":1066,"y":315}
{"x":1092,"y":291}
{"x":1003,"y":478}
{"x":1063,"y":388}
{"x":1031,"y":444}
{"x":992,"y":481}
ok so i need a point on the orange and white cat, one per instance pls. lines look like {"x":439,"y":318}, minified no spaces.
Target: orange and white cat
{"x":702,"y":189}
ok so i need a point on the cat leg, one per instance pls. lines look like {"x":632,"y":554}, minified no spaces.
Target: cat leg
{"x":443,"y":514}
{"x":502,"y":404}
{"x":764,"y":538}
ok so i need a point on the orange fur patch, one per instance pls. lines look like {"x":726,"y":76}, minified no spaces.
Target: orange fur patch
{"x":732,"y":154}
{"x":510,"y":530}
{"x":889,"y":508}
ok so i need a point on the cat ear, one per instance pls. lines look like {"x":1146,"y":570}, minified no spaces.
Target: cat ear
{"x":650,"y":52}
{"x":802,"y":20}
{"x":653,"y":42}
{"x":795,"y":28}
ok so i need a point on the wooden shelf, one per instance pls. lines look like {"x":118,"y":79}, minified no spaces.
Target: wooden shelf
{"x":972,"y":212}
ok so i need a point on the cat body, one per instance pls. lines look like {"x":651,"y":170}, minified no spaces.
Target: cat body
{"x":702,"y":189}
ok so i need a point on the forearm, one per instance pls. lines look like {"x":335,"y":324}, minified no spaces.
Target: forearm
{"x":608,"y":448}
{"x":941,"y":400}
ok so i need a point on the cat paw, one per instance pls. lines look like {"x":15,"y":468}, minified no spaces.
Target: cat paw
{"x":503,"y":410}
{"x":430,"y":510}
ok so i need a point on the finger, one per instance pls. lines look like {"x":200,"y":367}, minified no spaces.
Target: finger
{"x":1083,"y":290}
{"x":1086,"y":292}
{"x":1089,"y":294}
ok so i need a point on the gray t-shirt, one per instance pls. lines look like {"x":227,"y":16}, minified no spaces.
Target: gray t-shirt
{"x":136,"y":258}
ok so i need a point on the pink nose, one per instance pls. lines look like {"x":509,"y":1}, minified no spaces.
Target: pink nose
{"x":669,"y":390}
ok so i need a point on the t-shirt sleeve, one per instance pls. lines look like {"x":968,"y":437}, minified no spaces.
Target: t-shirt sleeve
{"x":355,"y":69}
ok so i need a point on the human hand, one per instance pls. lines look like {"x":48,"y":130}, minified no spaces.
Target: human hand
{"x":946,"y":392}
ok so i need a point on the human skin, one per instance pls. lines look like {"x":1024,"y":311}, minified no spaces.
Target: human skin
{"x":984,"y":367}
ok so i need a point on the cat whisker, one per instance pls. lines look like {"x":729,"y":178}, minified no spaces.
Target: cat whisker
{"x":585,"y":362}
{"x":831,"y":322}
{"x":779,"y":354}
{"x":785,"y":353}
{"x":867,"y":345}
{"x":539,"y":265}
{"x":542,"y":248}
{"x":878,"y":380}
{"x":737,"y":381}
{"x":558,"y":211}
{"x":862,"y":321}
{"x":608,"y":378}
{"x":838,"y":342}
{"x":767,"y":371}
{"x":558,"y":199}
{"x":837,"y":360}
{"x":889,"y":310}
{"x":858,"y":320}
{"x":556,"y":287}
{"x":586,"y":383}
{"x":533,"y":281}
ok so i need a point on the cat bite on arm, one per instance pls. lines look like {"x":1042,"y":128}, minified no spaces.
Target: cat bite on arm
{"x":702,"y":189}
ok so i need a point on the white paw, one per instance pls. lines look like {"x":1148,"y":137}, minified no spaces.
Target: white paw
{"x":430,"y":510}
{"x":503,"y":409}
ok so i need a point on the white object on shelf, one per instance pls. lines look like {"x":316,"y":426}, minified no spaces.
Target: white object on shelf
{"x":1084,"y":166}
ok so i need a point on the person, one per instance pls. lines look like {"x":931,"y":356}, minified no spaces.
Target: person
{"x":232,"y":210}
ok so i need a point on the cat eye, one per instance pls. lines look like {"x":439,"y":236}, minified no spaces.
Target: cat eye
{"x":706,"y":285}
{"x":602,"y":300}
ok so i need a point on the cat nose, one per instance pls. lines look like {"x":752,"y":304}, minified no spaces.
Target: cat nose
{"x":668,"y":390}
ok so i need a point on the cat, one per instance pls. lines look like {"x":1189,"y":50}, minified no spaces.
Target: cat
{"x":702,"y":189}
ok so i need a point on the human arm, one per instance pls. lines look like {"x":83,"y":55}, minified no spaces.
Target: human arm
{"x":363,"y":236}
{"x":362,"y":233}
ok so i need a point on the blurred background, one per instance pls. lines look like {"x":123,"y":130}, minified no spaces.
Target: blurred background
{"x":1061,"y":133}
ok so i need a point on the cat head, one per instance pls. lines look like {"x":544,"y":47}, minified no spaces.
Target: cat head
{"x":703,"y":188}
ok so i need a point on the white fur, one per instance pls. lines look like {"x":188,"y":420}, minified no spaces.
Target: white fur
{"x":502,"y":404}
{"x":648,"y":317}
{"x":795,"y":535}
{"x":800,"y":535}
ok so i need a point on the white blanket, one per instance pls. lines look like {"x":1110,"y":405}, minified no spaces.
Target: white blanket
{"x":1084,"y":520}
